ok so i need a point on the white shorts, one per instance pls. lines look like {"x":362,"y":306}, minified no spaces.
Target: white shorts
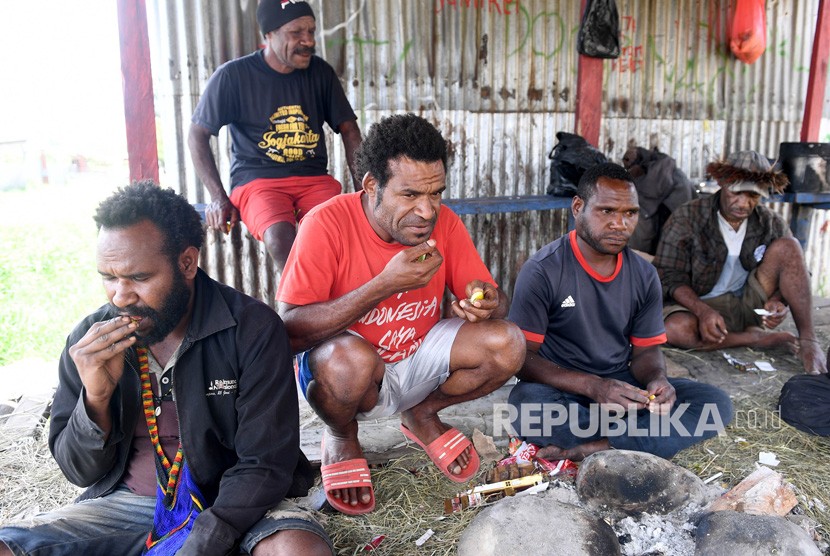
{"x":407,"y":382}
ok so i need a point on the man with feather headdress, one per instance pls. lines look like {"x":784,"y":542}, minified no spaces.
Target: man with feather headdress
{"x":731,"y":270}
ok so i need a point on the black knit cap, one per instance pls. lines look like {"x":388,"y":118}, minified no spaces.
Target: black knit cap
{"x":272,"y":14}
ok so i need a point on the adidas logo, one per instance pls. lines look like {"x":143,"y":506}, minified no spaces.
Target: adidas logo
{"x":569,"y":302}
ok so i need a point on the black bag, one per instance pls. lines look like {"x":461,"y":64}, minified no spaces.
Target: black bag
{"x":805,"y":403}
{"x":599,"y":33}
{"x":570,"y":157}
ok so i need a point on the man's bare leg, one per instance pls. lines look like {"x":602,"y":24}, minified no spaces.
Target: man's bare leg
{"x":484,"y":356}
{"x":347,"y":374}
{"x":278,"y":239}
{"x":783,"y":269}
{"x":682,"y":331}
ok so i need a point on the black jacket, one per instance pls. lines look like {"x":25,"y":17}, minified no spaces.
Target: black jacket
{"x":236,"y":401}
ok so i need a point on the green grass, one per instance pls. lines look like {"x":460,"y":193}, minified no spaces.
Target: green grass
{"x":48,"y":277}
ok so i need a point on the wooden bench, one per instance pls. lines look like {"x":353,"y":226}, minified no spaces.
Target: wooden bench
{"x":486,"y":205}
{"x":509,"y":203}
{"x":813,"y":200}
{"x":799,"y":224}
{"x":800,"y":221}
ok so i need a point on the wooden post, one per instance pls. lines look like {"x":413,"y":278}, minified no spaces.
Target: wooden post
{"x":817,"y":84}
{"x":137,"y":81}
{"x":588,"y":96}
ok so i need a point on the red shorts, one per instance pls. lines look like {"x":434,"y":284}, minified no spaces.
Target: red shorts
{"x":266,"y":201}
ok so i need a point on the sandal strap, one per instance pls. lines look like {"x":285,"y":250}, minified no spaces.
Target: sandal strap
{"x":353,"y":473}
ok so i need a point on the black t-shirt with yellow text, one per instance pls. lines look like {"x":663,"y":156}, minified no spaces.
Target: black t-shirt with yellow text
{"x":275,"y":119}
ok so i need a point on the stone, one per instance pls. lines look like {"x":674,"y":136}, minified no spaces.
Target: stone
{"x":30,"y":413}
{"x":537,"y":524}
{"x":485,"y":447}
{"x":807,"y":523}
{"x":624,"y":482}
{"x":763,"y":492}
{"x":729,"y":532}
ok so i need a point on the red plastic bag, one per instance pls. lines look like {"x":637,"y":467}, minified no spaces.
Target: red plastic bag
{"x":748,"y":32}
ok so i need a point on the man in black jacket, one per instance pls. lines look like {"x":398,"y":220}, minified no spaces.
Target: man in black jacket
{"x":176,"y":406}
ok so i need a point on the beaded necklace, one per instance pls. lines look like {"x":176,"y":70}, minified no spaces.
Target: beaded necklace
{"x":171,"y":471}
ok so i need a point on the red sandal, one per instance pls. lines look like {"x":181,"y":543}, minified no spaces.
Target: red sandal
{"x":351,"y":473}
{"x":444,"y":449}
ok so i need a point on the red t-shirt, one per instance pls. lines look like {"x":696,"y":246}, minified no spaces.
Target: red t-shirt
{"x":337,"y":251}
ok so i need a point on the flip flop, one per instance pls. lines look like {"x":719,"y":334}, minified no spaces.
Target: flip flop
{"x":351,"y":473}
{"x":444,"y":449}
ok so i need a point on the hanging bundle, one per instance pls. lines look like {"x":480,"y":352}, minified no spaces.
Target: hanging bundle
{"x":599,"y":33}
{"x":748,"y":31}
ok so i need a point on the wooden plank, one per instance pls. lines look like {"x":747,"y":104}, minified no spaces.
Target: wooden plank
{"x":804,"y":203}
{"x":137,"y":82}
{"x":817,"y":83}
{"x":513,"y":203}
{"x":800,"y":223}
{"x":815,"y":200}
{"x":486,"y":205}
{"x":30,"y":413}
{"x":588,"y":96}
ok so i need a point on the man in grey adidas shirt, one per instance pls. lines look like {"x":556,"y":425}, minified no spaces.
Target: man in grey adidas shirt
{"x":591,"y":310}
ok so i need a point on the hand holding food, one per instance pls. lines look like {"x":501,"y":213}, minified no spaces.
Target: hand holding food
{"x":99,"y":355}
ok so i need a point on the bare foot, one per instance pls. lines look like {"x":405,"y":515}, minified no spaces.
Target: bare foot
{"x":338,"y":447}
{"x":577,"y":453}
{"x":760,"y":338}
{"x":552,"y":453}
{"x":812,"y":357}
{"x":429,"y":427}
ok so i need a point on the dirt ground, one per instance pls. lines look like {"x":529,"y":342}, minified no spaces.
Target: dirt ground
{"x":384,"y":444}
{"x":382,"y":440}
{"x":713,"y":367}
{"x":730,"y":456}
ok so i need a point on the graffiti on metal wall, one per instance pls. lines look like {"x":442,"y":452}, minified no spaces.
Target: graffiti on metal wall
{"x":529,"y":24}
{"x":639,"y":51}
{"x":631,"y":55}
{"x":500,"y":7}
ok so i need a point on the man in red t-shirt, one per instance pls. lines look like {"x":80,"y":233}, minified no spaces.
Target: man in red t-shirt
{"x":361,"y":296}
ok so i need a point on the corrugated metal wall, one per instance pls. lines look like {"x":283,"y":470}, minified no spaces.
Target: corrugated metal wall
{"x":498,"y":78}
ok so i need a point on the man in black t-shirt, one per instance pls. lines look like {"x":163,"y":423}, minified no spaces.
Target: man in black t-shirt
{"x":274,"y":101}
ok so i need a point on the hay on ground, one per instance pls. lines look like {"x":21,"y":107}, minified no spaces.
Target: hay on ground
{"x":30,"y":480}
{"x":409,"y":494}
{"x":410,"y":490}
{"x":757,"y":427}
